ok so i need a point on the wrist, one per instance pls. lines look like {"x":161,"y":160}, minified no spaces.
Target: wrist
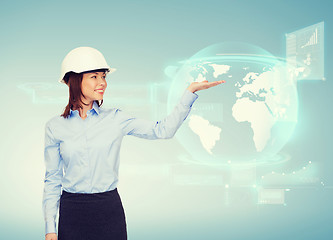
{"x":191,"y":89}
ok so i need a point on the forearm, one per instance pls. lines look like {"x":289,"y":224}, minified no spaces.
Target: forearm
{"x":163,"y":129}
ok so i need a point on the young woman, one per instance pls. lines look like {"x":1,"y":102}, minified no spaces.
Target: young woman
{"x":82,"y":147}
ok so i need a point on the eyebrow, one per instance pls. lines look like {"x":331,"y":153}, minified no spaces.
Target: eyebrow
{"x":97,"y":73}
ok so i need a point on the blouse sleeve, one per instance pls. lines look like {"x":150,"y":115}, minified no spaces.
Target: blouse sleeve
{"x":52,"y":180}
{"x":163,"y":129}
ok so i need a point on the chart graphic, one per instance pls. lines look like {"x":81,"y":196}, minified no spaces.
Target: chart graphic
{"x":305,"y":52}
{"x":313,"y":39}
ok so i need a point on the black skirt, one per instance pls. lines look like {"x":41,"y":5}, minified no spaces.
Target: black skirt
{"x":91,"y":216}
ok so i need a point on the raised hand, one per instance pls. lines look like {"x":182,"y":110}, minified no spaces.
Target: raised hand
{"x":197,"y":86}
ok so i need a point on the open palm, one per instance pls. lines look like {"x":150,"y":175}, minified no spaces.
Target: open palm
{"x":197,"y":86}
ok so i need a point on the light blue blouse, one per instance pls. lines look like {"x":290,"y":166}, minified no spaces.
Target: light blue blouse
{"x":82,"y":156}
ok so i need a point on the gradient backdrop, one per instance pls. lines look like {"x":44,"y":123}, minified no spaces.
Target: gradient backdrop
{"x":140,"y":39}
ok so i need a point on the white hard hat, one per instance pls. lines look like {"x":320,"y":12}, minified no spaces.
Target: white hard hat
{"x":83,"y":59}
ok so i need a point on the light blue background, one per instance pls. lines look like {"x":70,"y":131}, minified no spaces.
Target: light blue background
{"x":140,"y":39}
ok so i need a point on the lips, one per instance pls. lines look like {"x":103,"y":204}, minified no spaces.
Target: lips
{"x":100,"y":90}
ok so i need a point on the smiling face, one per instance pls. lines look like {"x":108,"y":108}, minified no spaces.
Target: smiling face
{"x":93,"y":86}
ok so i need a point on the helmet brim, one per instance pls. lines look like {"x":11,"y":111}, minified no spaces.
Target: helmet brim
{"x":107,"y":71}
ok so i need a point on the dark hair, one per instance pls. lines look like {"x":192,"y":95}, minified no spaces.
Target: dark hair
{"x":74,"y":82}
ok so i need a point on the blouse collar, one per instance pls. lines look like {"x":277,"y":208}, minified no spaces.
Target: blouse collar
{"x":95,"y":108}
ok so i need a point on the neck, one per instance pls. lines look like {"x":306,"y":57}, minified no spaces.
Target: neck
{"x":83,"y":111}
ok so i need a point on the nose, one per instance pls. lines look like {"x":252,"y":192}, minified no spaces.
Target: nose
{"x":102,"y":81}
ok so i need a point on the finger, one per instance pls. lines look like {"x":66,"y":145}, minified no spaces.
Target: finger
{"x":212,"y":84}
{"x":217,"y":82}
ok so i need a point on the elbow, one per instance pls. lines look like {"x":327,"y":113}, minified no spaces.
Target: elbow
{"x":164,"y":135}
{"x":164,"y":132}
{"x":171,"y":135}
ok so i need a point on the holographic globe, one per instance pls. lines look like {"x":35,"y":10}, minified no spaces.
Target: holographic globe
{"x":247,"y":119}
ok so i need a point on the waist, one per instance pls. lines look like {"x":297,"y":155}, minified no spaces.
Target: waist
{"x":88,"y":196}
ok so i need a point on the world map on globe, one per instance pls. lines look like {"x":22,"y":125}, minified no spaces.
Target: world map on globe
{"x":247,"y":119}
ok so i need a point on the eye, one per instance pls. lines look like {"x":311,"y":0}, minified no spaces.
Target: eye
{"x":95,"y":77}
